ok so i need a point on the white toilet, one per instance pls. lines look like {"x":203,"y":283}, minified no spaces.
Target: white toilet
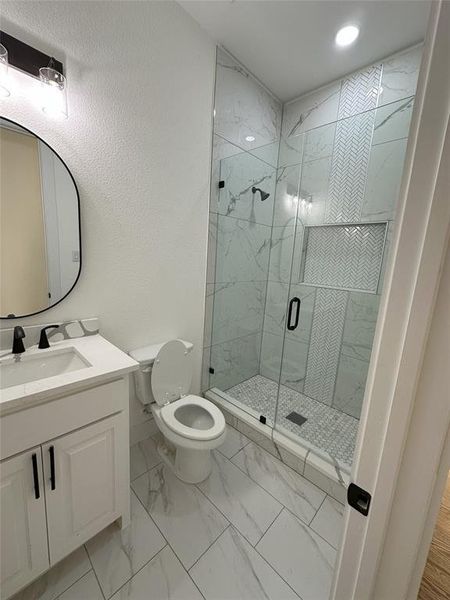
{"x":193,"y":425}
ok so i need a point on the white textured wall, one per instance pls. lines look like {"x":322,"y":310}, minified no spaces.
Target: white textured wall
{"x":138,"y":144}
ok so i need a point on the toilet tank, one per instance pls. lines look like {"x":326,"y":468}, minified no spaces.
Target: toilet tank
{"x":146,"y":356}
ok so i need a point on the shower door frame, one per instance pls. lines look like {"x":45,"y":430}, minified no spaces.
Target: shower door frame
{"x":407,"y":304}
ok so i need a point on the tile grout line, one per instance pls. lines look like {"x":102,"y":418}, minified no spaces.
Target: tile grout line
{"x":321,"y":504}
{"x":240,"y":449}
{"x":242,"y":150}
{"x":147,"y":471}
{"x":296,"y":473}
{"x":228,"y":520}
{"x":150,"y":559}
{"x":209,"y":547}
{"x":270,"y":494}
{"x":337,"y":120}
{"x":270,"y":525}
{"x":150,"y":437}
{"x":231,"y":526}
{"x":267,"y":561}
{"x":147,"y":562}
{"x":138,"y":571}
{"x":241,"y":218}
{"x":248,"y":477}
{"x":316,"y":532}
{"x":167,"y":543}
{"x":280,"y":576}
{"x":244,"y":446}
{"x":280,"y":461}
{"x":212,"y":543}
{"x":68,"y":588}
{"x":313,"y":530}
{"x":399,"y":139}
{"x":204,"y":495}
{"x":95,"y":574}
{"x":241,"y":337}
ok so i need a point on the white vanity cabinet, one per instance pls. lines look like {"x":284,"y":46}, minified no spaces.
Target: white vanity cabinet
{"x":64,"y":476}
{"x":23,"y":534}
{"x":82,"y":477}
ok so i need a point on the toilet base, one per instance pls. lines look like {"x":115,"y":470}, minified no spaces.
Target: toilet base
{"x":191,"y":466}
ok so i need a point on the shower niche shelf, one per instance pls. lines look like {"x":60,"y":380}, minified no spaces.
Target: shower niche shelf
{"x":345,"y":256}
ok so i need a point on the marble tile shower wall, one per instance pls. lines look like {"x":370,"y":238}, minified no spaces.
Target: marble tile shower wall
{"x":340,"y":161}
{"x":247,"y":127}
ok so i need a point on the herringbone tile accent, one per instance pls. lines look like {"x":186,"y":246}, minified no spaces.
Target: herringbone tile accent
{"x":345,"y":256}
{"x":352,"y":144}
{"x":325,"y":345}
{"x":348,"y":175}
{"x":359,"y":92}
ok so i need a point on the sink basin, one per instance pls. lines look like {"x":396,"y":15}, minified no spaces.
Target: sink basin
{"x":34,"y":367}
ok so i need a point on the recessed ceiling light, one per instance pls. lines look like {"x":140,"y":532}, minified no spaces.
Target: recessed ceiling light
{"x":250,"y":138}
{"x":347,"y":35}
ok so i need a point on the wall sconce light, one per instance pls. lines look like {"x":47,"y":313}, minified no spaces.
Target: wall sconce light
{"x":45,"y":68}
{"x":4,"y":84}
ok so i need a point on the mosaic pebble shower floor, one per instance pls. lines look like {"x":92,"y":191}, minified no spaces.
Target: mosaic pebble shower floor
{"x":328,"y":429}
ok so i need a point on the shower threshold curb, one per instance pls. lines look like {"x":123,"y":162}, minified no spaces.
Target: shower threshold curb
{"x":321,"y":469}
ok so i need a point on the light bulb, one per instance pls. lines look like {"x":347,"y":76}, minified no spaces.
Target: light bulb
{"x":53,"y":90}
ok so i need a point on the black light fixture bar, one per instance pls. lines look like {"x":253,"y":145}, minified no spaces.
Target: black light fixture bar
{"x":26,"y":58}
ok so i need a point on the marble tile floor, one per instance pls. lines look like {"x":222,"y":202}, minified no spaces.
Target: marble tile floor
{"x":328,"y":429}
{"x":254,"y":530}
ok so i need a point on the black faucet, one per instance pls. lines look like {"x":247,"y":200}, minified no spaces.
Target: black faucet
{"x":18,"y":336}
{"x":43,"y":339}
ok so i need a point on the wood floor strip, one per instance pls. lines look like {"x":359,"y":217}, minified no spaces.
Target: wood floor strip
{"x":436,"y":576}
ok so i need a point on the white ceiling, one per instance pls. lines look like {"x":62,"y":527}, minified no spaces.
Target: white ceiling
{"x":289,"y":44}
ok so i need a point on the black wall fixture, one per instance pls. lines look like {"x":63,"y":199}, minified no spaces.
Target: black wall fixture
{"x":26,"y":58}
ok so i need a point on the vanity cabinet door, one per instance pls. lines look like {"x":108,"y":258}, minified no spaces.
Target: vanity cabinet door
{"x":24,"y":551}
{"x":81,"y":484}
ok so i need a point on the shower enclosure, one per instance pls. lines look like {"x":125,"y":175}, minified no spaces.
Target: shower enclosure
{"x":302,"y":211}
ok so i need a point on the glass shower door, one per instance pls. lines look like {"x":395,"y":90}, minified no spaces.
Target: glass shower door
{"x":348,"y":187}
{"x":242,"y":210}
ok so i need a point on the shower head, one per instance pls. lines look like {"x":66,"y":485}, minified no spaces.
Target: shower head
{"x":264,"y":195}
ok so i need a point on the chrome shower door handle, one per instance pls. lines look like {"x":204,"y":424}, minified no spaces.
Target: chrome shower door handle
{"x":293,"y":304}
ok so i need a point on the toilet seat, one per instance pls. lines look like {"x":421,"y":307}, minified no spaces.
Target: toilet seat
{"x":168,"y":415}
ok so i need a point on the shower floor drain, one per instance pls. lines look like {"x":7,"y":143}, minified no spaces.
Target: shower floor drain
{"x":296,"y":418}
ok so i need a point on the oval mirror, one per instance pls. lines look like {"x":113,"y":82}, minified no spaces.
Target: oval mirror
{"x":40,"y":249}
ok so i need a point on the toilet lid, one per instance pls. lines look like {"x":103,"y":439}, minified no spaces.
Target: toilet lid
{"x":172,"y":372}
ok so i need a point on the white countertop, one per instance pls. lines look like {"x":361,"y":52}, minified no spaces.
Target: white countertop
{"x":106,"y":360}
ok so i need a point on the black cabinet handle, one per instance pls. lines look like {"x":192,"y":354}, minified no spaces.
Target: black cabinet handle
{"x":51,"y":451}
{"x":37,"y":493}
{"x":294,"y":302}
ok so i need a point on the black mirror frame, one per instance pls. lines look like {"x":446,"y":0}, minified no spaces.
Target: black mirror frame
{"x":79,"y":226}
